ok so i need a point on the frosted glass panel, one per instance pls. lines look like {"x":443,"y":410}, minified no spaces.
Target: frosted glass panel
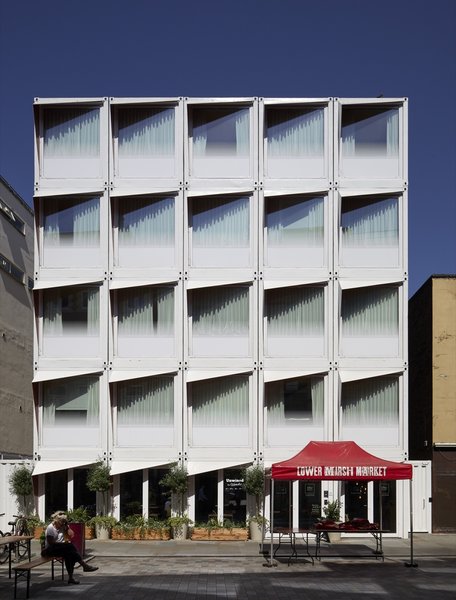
{"x":145,"y":132}
{"x":148,"y":401}
{"x":369,"y":232}
{"x":371,"y":402}
{"x":295,"y":223}
{"x":71,"y":132}
{"x":146,"y":232}
{"x":220,"y":231}
{"x":294,"y":132}
{"x":370,"y":131}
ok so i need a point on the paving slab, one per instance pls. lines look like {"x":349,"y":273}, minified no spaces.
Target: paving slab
{"x":215,"y":570}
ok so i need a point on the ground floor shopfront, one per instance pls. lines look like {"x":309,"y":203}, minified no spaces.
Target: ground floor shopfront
{"x":220,"y":494}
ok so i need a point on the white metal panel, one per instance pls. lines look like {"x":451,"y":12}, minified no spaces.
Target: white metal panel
{"x":196,"y":375}
{"x":145,"y":191}
{"x":219,"y":192}
{"x":349,"y":284}
{"x":278,"y":283}
{"x":44,"y":284}
{"x":193,"y":285}
{"x":51,"y":375}
{"x":196,"y":467}
{"x":115,"y":376}
{"x":50,"y":466}
{"x":126,"y":466}
{"x":117,"y":284}
{"x":346,"y":192}
{"x":69,"y":192}
{"x":279,"y":375}
{"x":347,"y":375}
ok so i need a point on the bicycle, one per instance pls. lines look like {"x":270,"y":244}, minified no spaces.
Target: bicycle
{"x":18,"y":527}
{"x":4,"y":548}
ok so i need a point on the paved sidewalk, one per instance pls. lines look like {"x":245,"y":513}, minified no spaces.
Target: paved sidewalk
{"x":214,"y":570}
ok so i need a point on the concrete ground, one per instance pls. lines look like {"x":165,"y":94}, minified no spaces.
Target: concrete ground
{"x":208,"y":570}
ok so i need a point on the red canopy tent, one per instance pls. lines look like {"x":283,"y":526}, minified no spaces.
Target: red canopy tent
{"x":331,"y":461}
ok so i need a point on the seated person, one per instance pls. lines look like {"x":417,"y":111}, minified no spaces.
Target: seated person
{"x":58,"y":543}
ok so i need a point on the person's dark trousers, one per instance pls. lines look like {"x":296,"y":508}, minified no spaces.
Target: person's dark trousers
{"x":68,"y":552}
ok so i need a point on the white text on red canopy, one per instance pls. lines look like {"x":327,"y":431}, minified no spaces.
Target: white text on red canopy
{"x":341,"y":471}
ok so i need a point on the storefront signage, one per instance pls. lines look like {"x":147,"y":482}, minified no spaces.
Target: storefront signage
{"x":340,"y":471}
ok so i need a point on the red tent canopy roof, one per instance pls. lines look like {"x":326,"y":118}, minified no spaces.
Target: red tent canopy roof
{"x":339,"y":461}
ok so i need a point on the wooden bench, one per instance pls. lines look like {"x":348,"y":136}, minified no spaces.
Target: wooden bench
{"x":23,"y":570}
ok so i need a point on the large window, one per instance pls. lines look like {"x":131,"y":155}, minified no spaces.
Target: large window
{"x":220,"y":231}
{"x":70,"y":319}
{"x":370,"y":142}
{"x":370,"y":411}
{"x":220,"y":321}
{"x":145,"y":412}
{"x":145,"y":141}
{"x":70,"y":225}
{"x":295,"y":142}
{"x":71,"y":142}
{"x":295,"y":321}
{"x":369,"y":231}
{"x":71,"y":311}
{"x":294,"y":231}
{"x":145,"y":313}
{"x":220,"y":141}
{"x":71,"y":132}
{"x":295,"y":408}
{"x":146,"y":231}
{"x":71,"y":404}
{"x":366,"y":314}
{"x":220,"y":411}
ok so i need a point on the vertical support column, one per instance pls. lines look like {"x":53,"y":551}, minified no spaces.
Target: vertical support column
{"x":145,"y":493}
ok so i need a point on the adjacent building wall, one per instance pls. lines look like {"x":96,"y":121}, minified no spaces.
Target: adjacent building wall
{"x":16,"y":324}
{"x":432,"y":423}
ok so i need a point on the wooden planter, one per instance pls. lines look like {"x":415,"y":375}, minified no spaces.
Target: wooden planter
{"x":239,"y":534}
{"x":89,"y":533}
{"x":137,"y":534}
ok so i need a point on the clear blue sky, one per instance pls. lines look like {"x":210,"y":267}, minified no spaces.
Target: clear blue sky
{"x":302,"y":48}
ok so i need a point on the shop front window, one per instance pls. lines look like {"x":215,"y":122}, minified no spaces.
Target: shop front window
{"x":234,"y":497}
{"x":205,"y":497}
{"x":309,"y":503}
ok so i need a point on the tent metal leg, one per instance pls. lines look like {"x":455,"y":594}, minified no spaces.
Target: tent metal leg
{"x":412,"y":563}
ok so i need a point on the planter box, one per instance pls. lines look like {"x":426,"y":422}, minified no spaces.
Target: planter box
{"x":37,"y":532}
{"x":137,"y":534}
{"x":89,"y":533}
{"x":239,"y":534}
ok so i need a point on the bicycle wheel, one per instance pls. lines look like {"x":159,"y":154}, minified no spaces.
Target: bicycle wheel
{"x":4,"y":550}
{"x":22,"y":529}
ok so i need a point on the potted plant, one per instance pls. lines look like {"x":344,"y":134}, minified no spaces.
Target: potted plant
{"x":176,"y":482}
{"x":81,"y":516}
{"x":331,"y":513}
{"x":99,"y":480}
{"x":21,"y":486}
{"x":103,"y":525}
{"x":254,"y":479}
{"x":219,"y":531}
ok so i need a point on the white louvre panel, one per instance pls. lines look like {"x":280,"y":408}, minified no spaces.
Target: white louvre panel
{"x":353,"y":284}
{"x":115,"y":376}
{"x":127,"y":466}
{"x":200,"y":375}
{"x":194,"y":467}
{"x":279,"y":375}
{"x":51,"y":375}
{"x":50,"y":466}
{"x":118,"y":284}
{"x":346,"y":376}
{"x":44,"y":284}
